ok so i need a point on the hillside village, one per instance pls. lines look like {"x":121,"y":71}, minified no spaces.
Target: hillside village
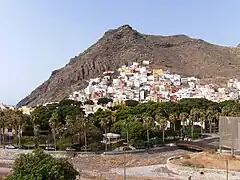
{"x":142,"y":83}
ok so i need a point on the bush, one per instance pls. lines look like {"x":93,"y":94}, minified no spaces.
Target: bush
{"x":63,"y":143}
{"x":94,"y":146}
{"x":196,"y":131}
{"x":131,"y":103}
{"x":186,"y":156}
{"x":41,"y":166}
{"x":104,"y":101}
{"x":190,"y":164}
{"x":211,"y":151}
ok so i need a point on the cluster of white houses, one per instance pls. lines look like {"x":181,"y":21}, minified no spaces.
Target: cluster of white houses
{"x":143,"y":83}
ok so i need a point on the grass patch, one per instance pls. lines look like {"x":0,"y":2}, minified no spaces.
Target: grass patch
{"x":186,"y":156}
{"x":193,"y":165}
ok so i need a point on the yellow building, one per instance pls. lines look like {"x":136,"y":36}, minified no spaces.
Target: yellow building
{"x":157,"y":72}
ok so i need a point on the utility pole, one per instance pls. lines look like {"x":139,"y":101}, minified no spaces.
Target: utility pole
{"x":124,"y":165}
{"x":227,"y":168}
{"x":124,"y":171}
{"x":125,"y":156}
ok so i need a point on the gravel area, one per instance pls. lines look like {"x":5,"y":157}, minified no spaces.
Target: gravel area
{"x":110,"y":167}
{"x":154,"y":171}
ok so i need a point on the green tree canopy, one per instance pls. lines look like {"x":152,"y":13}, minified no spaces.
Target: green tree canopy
{"x":131,"y":103}
{"x":41,"y":166}
{"x":104,"y":101}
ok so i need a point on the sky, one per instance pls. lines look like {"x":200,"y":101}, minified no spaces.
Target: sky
{"x":37,"y":37}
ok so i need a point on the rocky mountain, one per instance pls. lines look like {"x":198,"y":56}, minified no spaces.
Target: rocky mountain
{"x":179,"y":53}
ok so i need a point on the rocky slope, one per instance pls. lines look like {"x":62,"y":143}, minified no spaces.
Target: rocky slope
{"x":179,"y":53}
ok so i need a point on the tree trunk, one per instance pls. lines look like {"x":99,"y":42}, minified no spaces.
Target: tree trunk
{"x":19,"y":140}
{"x":214,"y":126}
{"x":210,"y":126}
{"x":163,"y":138}
{"x":174,"y":130}
{"x":127,"y":137}
{"x":185,"y":128}
{"x":192,"y":129}
{"x":201,"y":128}
{"x":54,"y":139}
{"x":37,"y":141}
{"x":106,"y":146}
{"x":148,"y":137}
{"x":79,"y":138}
{"x":3,"y":138}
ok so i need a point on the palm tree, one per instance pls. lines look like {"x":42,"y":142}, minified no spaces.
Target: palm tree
{"x":148,"y":123}
{"x":3,"y":124}
{"x":194,"y":117}
{"x":202,"y":118}
{"x":17,"y":121}
{"x":78,"y":126}
{"x":113,"y":117}
{"x":173,"y":118}
{"x":61,"y":131}
{"x":70,"y":128}
{"x":211,"y":116}
{"x":53,"y":123}
{"x":183,"y":118}
{"x":36,"y":130}
{"x":103,"y":124}
{"x":126,"y":128}
{"x":85,"y":124}
{"x":162,"y":122}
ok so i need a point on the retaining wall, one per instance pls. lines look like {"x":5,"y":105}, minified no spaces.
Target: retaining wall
{"x":195,"y":173}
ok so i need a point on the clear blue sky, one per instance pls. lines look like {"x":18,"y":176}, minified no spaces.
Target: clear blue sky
{"x":38,"y":36}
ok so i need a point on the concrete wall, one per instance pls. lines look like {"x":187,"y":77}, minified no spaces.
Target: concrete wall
{"x":208,"y":174}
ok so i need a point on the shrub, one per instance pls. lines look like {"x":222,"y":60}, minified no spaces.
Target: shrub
{"x":41,"y":166}
{"x":211,"y":151}
{"x":131,"y":103}
{"x":190,"y":164}
{"x":186,"y":156}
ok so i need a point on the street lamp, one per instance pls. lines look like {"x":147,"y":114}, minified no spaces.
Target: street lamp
{"x":125,"y":155}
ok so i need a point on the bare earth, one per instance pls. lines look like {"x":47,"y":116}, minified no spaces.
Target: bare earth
{"x":138,"y":166}
{"x":211,"y":161}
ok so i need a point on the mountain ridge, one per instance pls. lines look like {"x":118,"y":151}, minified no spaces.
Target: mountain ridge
{"x":179,"y":53}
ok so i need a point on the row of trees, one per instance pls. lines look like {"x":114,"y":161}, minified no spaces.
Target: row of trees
{"x":65,"y":123}
{"x":12,"y":119}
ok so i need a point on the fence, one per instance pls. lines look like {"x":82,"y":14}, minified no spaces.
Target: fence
{"x":229,"y":131}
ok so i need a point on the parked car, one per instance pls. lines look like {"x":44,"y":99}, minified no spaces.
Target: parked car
{"x":70,"y":149}
{"x":74,"y":147}
{"x":49,"y":148}
{"x":10,"y":146}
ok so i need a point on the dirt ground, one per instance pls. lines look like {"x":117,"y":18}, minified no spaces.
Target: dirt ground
{"x":97,"y":167}
{"x":103,"y":163}
{"x":210,"y":160}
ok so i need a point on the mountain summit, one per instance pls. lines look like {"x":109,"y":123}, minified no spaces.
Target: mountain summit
{"x":178,"y":53}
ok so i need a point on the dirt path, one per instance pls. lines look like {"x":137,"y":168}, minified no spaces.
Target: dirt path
{"x":111,"y":167}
